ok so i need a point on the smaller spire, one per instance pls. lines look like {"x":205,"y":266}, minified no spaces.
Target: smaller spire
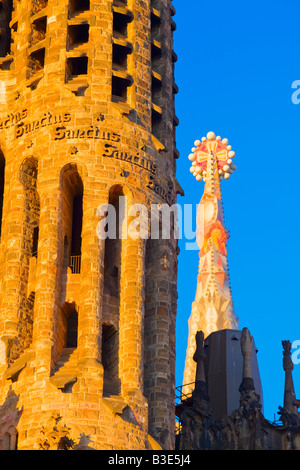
{"x":289,"y":412}
{"x":199,"y":357}
{"x":247,"y":343}
{"x":250,"y":401}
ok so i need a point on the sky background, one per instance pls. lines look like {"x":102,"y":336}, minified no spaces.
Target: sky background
{"x":236,"y":65}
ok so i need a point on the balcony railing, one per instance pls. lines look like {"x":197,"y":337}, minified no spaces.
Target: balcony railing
{"x":75,"y":263}
{"x":181,"y":397}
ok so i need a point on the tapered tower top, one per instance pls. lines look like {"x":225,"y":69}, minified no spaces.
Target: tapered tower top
{"x":212,"y":149}
{"x":212,"y":310}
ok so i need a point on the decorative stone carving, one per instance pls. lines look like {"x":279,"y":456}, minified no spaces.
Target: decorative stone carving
{"x":245,"y":428}
{"x":289,"y":414}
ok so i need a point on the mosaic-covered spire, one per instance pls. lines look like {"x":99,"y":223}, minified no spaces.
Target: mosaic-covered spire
{"x":212,"y":309}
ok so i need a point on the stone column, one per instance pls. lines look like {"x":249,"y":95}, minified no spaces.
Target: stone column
{"x":91,"y":285}
{"x":131,"y":325}
{"x":12,"y":237}
{"x":47,"y":294}
{"x":159,"y":336}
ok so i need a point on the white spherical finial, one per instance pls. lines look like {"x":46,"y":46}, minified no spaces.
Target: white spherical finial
{"x":211,"y":135}
{"x":197,"y":143}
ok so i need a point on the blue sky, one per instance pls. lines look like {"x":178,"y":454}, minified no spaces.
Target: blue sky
{"x":236,"y":65}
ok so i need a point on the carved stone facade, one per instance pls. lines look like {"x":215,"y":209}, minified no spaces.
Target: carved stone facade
{"x":244,"y":428}
{"x":87,"y":326}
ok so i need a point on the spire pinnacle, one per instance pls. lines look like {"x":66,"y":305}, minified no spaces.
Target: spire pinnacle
{"x":212,"y":161}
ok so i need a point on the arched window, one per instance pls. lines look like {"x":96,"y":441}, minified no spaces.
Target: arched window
{"x":111,"y":298}
{"x":72,"y":194}
{"x":76,"y":233}
{"x":35,"y":240}
{"x":112,"y":260}
{"x":10,"y":440}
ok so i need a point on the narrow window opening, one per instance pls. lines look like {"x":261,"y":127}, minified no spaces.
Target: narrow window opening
{"x":36,"y":62}
{"x":78,"y":34}
{"x":156,"y":57}
{"x":38,"y":32}
{"x":157,"y":123}
{"x":5,"y":36}
{"x":75,"y":261}
{"x":72,"y":330}
{"x":76,"y":66}
{"x":156,"y":90}
{"x":110,"y":360}
{"x":120,"y":23}
{"x":155,"y":27}
{"x":72,"y":213}
{"x":119,"y":88}
{"x":35,"y":241}
{"x":112,"y":257}
{"x":120,"y":54}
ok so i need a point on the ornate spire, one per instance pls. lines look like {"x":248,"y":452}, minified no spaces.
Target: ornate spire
{"x":212,"y":309}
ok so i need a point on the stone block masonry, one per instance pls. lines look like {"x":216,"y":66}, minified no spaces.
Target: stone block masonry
{"x":86,"y":115}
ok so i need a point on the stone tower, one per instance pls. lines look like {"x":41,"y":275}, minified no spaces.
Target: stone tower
{"x":87,"y":323}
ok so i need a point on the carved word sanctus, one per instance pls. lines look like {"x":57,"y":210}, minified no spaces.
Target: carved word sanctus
{"x":12,"y":119}
{"x":137,"y":158}
{"x":48,"y":119}
{"x":92,"y":132}
{"x":141,"y":161}
{"x":163,"y":191}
